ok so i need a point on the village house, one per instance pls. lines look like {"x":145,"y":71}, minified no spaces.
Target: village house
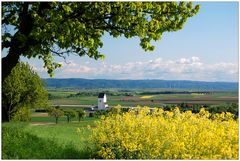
{"x":102,"y":101}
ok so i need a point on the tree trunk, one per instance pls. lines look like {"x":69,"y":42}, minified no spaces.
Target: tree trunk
{"x":56,"y":120}
{"x":5,"y":115}
{"x":16,"y":49}
{"x":18,"y":46}
{"x":68,"y":119}
{"x":8,"y":63}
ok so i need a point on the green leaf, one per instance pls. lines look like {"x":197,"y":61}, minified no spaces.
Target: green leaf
{"x":79,"y":27}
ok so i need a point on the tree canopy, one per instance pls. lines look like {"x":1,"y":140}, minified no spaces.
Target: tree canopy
{"x":55,"y":112}
{"x":22,"y":88}
{"x":45,"y":29}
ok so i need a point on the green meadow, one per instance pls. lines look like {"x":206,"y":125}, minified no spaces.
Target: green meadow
{"x":41,"y":138}
{"x":47,"y":141}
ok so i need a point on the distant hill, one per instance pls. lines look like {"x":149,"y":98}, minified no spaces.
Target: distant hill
{"x":170,"y":84}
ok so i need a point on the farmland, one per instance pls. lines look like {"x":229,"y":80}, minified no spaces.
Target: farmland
{"x":139,"y":97}
{"x":113,"y":80}
{"x":42,"y":138}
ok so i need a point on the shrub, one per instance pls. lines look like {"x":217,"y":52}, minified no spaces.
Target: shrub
{"x":22,"y":114}
{"x":116,"y":110}
{"x":99,"y":113}
{"x":139,"y":134}
{"x":41,"y":110}
{"x":91,"y":114}
{"x":233,"y":108}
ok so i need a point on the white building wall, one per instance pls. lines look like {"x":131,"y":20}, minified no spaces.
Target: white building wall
{"x":101,"y":104}
{"x":105,"y":99}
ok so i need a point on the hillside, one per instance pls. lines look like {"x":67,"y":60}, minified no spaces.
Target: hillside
{"x":170,"y":84}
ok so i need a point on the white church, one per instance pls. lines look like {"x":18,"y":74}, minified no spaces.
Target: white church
{"x":102,"y":101}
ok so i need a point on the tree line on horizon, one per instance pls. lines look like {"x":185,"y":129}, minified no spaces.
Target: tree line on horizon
{"x":131,"y":84}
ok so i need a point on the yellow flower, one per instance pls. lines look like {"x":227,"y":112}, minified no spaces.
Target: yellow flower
{"x":78,"y":130}
{"x":88,"y":127}
{"x":139,"y":134}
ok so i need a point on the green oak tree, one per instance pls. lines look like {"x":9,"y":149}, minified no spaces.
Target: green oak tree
{"x":45,"y":29}
{"x":22,"y":88}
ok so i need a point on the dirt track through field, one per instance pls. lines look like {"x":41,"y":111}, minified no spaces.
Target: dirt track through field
{"x":42,"y":123}
{"x":39,"y":114}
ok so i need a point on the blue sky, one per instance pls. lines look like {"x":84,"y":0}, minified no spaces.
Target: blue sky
{"x":206,"y":49}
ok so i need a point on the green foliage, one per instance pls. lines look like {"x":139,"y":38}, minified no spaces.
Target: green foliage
{"x":116,"y":110}
{"x":112,"y":111}
{"x":21,"y":141}
{"x":55,"y":112}
{"x":92,"y":114}
{"x":23,"y":88}
{"x":70,"y":114}
{"x":195,"y":108}
{"x":100,"y":113}
{"x":81,"y":114}
{"x":61,"y":28}
{"x":233,"y":108}
{"x":148,"y":87}
{"x":22,"y":114}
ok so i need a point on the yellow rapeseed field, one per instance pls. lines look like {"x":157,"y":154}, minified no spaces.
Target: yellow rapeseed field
{"x":141,"y":134}
{"x":146,"y":97}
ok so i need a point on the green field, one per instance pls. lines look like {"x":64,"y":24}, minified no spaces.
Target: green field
{"x":43,"y":139}
{"x":47,"y":141}
{"x":61,"y":119}
{"x":157,"y":100}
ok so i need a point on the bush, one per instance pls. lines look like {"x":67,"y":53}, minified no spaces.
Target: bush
{"x":139,"y":134}
{"x":41,"y":110}
{"x":22,"y":114}
{"x":91,"y":114}
{"x":99,"y":113}
{"x":233,"y":108}
{"x":116,"y":110}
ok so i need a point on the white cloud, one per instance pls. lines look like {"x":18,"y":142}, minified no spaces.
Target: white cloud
{"x":181,"y":69}
{"x":38,"y":68}
{"x":79,"y":69}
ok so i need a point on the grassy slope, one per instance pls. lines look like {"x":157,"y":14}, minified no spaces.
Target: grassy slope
{"x":61,"y":141}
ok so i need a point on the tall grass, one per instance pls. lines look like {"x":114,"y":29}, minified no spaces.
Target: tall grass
{"x":25,"y":141}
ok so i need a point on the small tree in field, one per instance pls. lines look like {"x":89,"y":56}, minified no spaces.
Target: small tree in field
{"x":54,"y":112}
{"x":81,"y":114}
{"x":70,"y":114}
